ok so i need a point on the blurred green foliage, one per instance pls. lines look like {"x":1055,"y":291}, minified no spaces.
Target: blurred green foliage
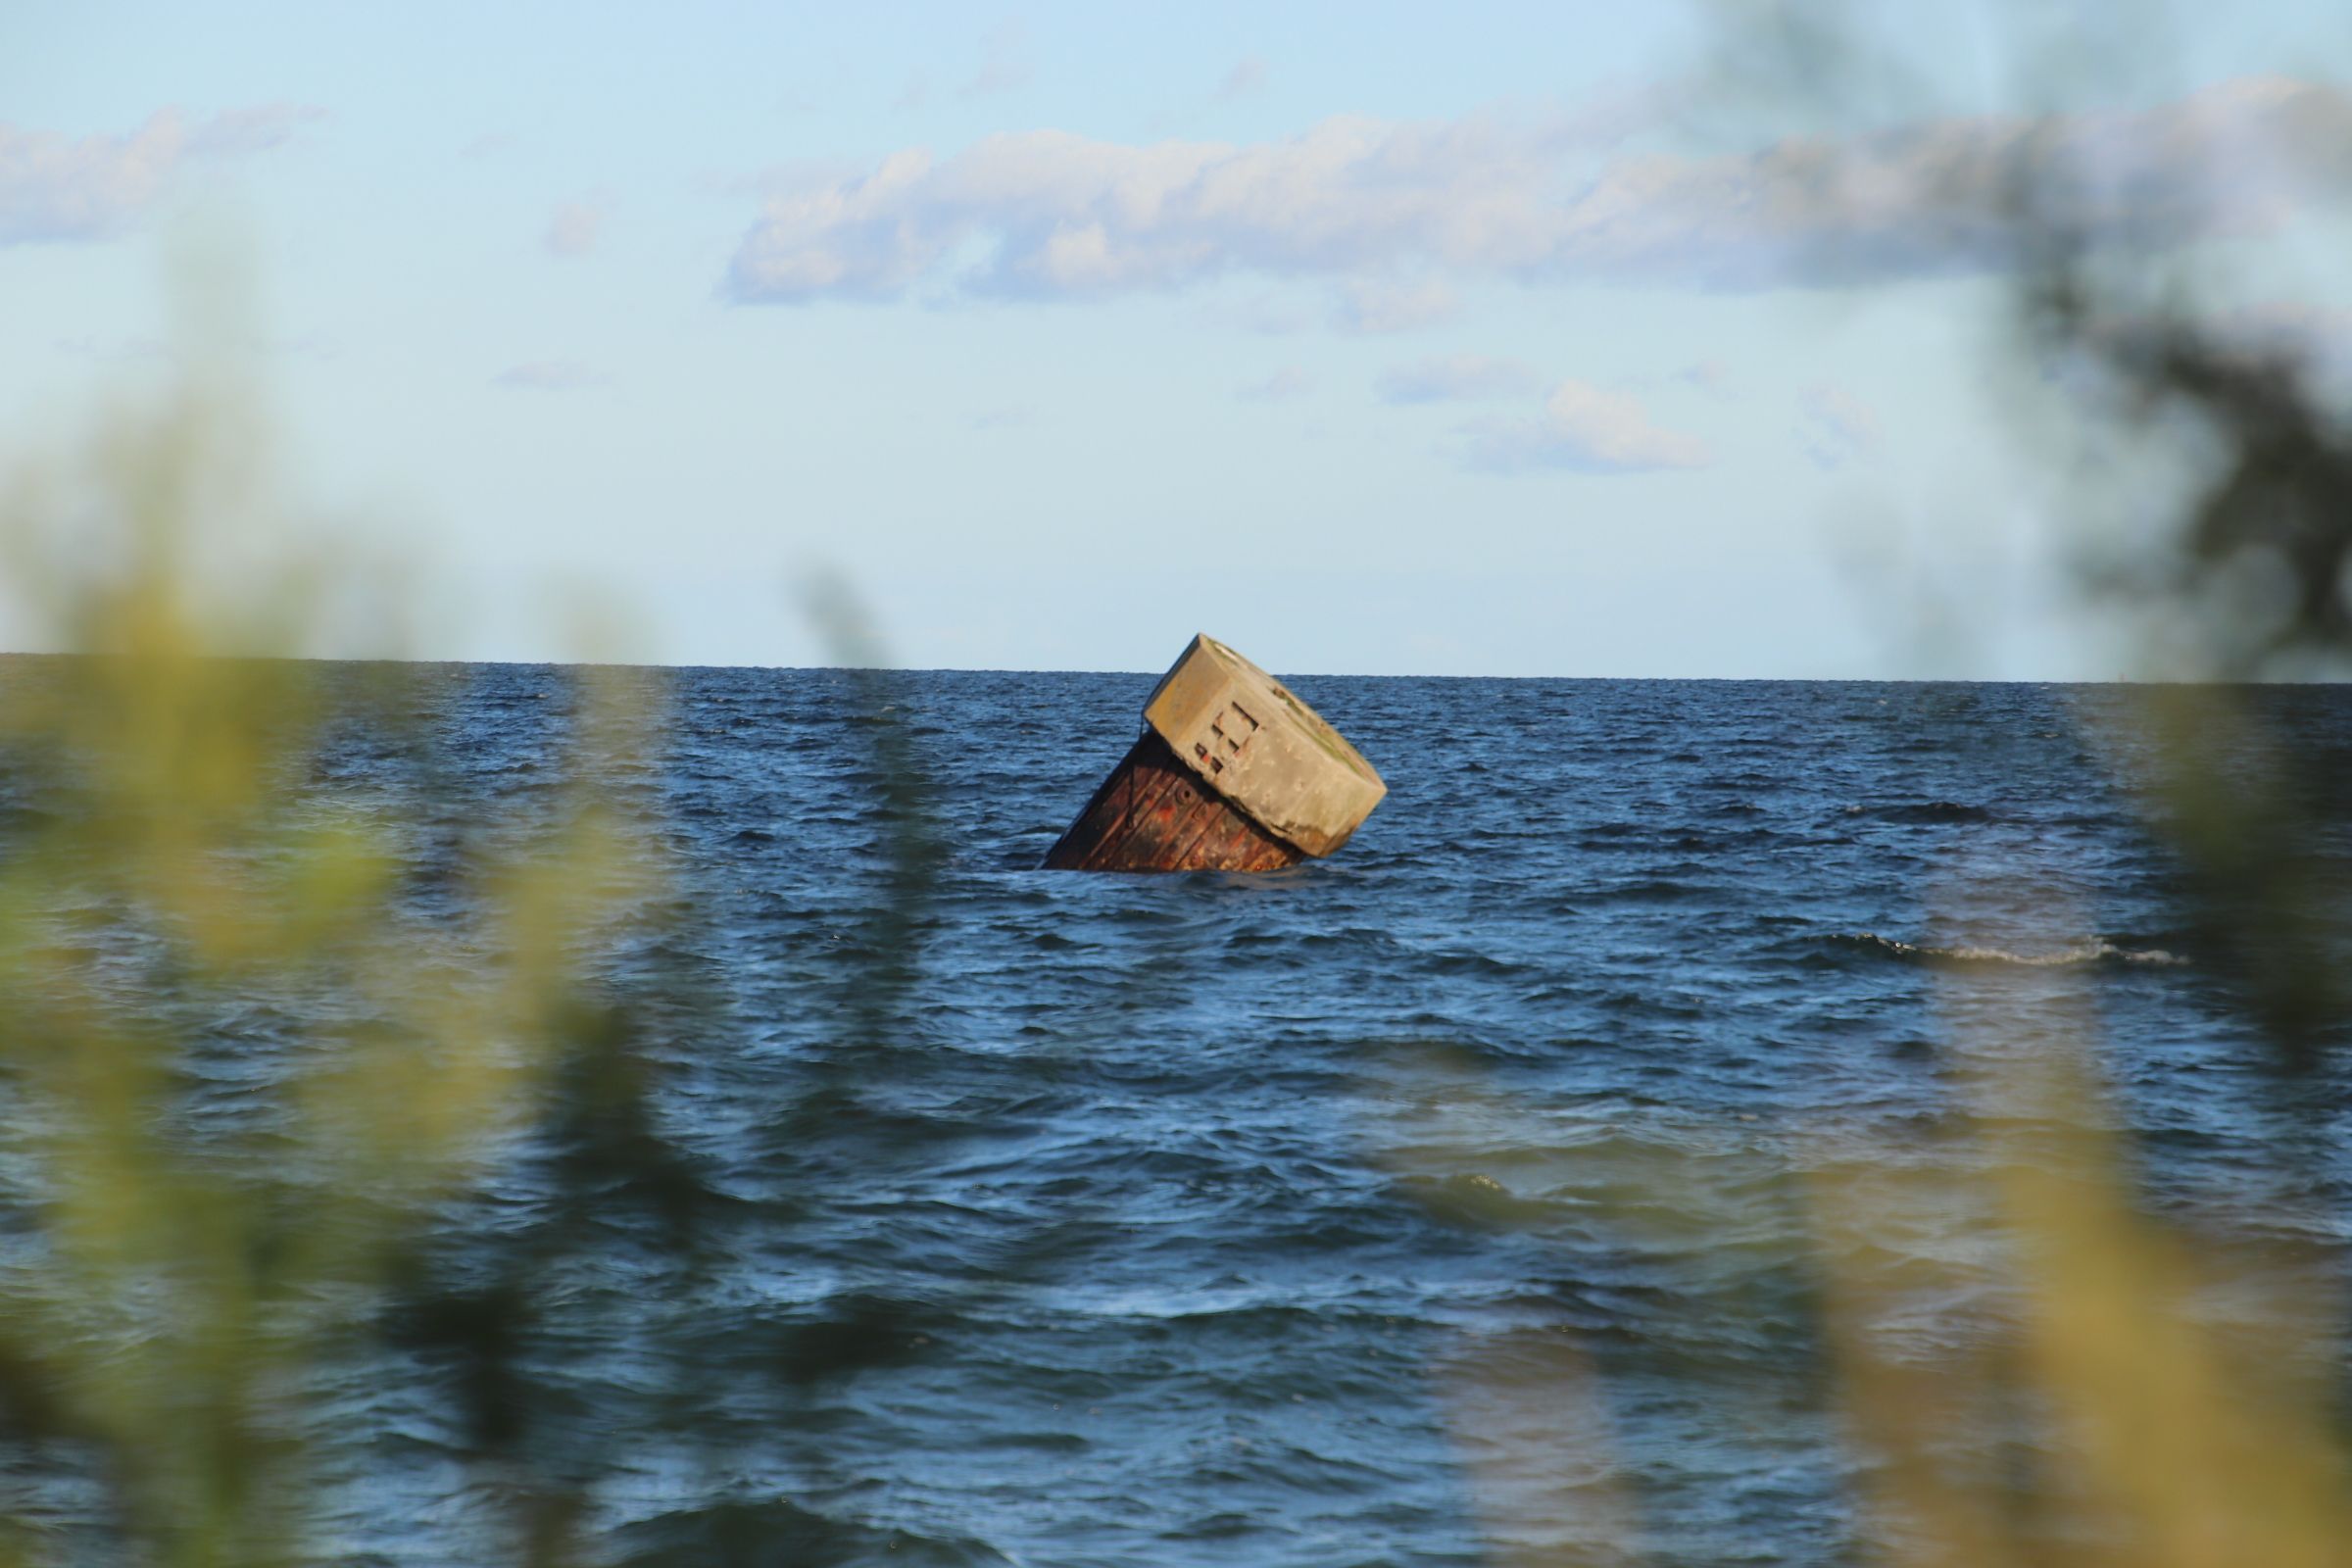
{"x":2025,"y":1364}
{"x":173,"y":1277}
{"x":269,"y":1047}
{"x":174,"y":1272}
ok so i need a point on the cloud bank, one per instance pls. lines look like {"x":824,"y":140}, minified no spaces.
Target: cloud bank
{"x":55,"y":190}
{"x":1047,"y":213}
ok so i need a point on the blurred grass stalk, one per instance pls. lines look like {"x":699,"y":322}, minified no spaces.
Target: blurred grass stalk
{"x":2029,"y":1367}
{"x":2024,"y":1365}
{"x":2118,"y":1391}
{"x":171,"y":1272}
{"x":2185,"y":1411}
{"x":170,"y":1276}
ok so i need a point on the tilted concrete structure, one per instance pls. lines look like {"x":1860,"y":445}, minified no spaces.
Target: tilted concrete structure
{"x":1232,"y":772}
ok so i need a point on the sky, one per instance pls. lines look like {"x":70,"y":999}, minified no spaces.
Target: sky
{"x":1525,"y":340}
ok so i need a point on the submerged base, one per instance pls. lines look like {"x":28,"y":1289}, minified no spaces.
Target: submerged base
{"x":1154,"y":814}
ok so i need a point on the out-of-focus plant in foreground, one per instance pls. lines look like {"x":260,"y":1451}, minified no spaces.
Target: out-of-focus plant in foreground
{"x":2023,"y":1363}
{"x":2007,"y":1359}
{"x":199,"y":1213}
{"x":2130,"y":1391}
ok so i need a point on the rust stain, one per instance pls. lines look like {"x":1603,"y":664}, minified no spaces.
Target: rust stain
{"x":1150,"y":815}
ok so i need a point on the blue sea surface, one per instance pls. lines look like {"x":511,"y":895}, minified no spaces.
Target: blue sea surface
{"x":1459,"y":1198}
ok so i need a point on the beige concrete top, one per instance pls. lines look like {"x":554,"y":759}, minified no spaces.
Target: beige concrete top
{"x":1262,"y":747}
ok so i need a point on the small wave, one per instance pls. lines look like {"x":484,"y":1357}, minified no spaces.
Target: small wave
{"x":1659,"y":890}
{"x":1473,"y":1199}
{"x":1924,"y":812}
{"x":2092,"y":950}
{"x":727,"y":1527}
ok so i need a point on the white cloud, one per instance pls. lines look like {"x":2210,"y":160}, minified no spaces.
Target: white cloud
{"x":1455,"y":378}
{"x":1050,"y":214}
{"x":574,"y":228}
{"x":1063,"y":215}
{"x":53,"y":189}
{"x":548,"y":375}
{"x":1586,"y":430}
{"x":1835,"y":427}
{"x":1281,"y":387}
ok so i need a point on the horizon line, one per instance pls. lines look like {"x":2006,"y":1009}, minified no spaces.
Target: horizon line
{"x":983,"y":669}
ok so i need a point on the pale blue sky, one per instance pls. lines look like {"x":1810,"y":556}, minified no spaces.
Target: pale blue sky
{"x":1365,"y":340}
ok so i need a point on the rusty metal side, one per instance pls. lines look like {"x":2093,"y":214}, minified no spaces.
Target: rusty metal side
{"x":1153,"y":814}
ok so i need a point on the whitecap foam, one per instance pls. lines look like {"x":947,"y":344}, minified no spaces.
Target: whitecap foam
{"x":2092,"y":950}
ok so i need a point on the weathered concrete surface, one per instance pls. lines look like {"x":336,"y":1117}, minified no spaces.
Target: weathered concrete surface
{"x":1234,"y":772}
{"x":1263,"y":749}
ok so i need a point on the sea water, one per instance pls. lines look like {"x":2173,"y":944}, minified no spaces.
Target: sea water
{"x":1444,"y":1200}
